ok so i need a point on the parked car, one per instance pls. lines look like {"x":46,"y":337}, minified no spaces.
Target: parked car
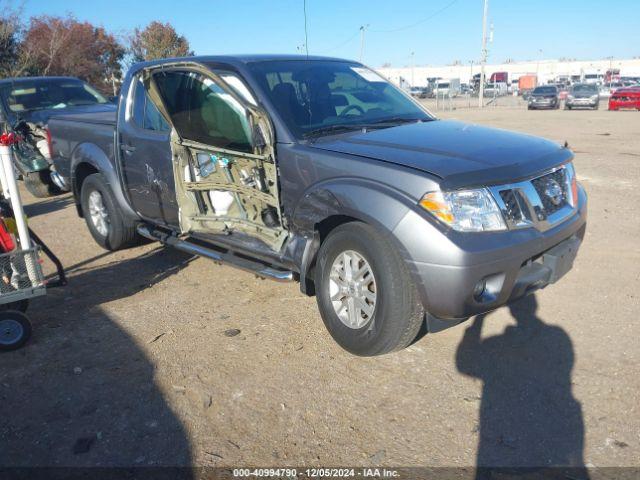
{"x":545,"y":96}
{"x":320,"y":170}
{"x":420,"y":92}
{"x":582,"y":95}
{"x":498,"y":89}
{"x":625,"y":99}
{"x":26,"y":104}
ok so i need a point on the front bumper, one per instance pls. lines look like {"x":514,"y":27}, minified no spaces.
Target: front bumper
{"x":581,"y":102}
{"x":543,"y":103}
{"x":448,"y":265}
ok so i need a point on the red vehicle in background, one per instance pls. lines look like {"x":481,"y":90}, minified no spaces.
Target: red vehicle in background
{"x":499,"y":77}
{"x":625,"y":98}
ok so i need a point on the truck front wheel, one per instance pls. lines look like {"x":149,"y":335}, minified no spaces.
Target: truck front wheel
{"x":106,"y":222}
{"x":365,"y":293}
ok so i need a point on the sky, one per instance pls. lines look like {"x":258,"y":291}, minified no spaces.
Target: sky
{"x":438,"y":32}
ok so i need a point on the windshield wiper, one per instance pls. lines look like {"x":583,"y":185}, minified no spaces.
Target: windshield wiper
{"x":349,"y":127}
{"x":318,"y":132}
{"x":396,"y":121}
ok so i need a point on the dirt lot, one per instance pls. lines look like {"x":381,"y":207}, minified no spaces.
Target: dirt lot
{"x":134,"y":362}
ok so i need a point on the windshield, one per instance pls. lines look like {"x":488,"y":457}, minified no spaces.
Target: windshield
{"x":545,"y":90}
{"x":316,"y":95}
{"x":30,"y":95}
{"x":585,"y":89}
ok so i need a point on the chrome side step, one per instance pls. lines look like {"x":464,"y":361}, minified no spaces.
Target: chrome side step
{"x":227,"y":257}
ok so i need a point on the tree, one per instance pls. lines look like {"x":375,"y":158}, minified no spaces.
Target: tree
{"x":158,"y":40}
{"x":13,"y":61}
{"x":64,"y":46}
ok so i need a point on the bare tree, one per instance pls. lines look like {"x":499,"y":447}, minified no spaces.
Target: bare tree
{"x":13,"y":60}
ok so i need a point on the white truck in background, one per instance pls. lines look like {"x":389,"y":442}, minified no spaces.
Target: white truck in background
{"x":447,"y":87}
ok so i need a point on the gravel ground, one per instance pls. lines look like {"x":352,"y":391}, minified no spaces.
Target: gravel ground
{"x":150,"y":357}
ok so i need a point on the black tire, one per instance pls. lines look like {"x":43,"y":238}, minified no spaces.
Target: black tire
{"x":121,"y":232}
{"x":398,"y":313}
{"x":40,"y":185}
{"x":567,"y":107}
{"x":15,"y":330}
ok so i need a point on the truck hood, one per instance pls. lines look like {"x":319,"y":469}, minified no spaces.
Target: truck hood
{"x":461,"y":154}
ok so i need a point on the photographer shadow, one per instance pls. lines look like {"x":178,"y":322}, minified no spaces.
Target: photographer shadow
{"x":83,"y":392}
{"x":530,"y":424}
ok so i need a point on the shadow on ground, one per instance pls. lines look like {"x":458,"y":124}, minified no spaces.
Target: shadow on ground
{"x":528,"y":415}
{"x":48,"y":206}
{"x":93,"y":400}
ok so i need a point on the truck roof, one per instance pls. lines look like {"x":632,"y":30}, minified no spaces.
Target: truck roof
{"x":240,"y":59}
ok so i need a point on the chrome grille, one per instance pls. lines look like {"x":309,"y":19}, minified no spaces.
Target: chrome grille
{"x":546,"y":182}
{"x":540,"y":202}
{"x":512,"y":210}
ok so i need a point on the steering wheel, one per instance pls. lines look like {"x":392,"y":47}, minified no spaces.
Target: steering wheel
{"x":344,"y":112}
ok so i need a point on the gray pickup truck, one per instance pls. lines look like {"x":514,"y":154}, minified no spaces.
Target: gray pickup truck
{"x":319,"y":170}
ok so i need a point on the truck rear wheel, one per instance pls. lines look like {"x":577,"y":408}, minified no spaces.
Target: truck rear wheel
{"x":365,"y":293}
{"x":40,"y":185}
{"x":107,"y":224}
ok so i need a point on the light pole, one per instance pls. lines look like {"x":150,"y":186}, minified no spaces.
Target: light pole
{"x":469,"y":91}
{"x":484,"y":53}
{"x":538,"y":64}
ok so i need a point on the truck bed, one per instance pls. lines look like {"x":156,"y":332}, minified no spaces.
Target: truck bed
{"x":99,"y":117}
{"x":70,"y":134}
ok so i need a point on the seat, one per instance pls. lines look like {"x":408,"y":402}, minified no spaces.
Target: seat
{"x":286,"y":102}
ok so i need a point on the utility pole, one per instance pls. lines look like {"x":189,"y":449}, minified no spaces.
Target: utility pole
{"x":484,"y":53}
{"x":362,"y":29}
{"x":538,"y":64}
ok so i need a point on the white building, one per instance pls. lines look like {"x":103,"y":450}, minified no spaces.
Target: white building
{"x":545,"y":69}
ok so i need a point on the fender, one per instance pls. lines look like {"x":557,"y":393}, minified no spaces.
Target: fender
{"x":91,"y":154}
{"x":371,"y":202}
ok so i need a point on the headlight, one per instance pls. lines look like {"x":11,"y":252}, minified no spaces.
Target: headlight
{"x":594,"y":97}
{"x":569,"y":97}
{"x":465,"y":210}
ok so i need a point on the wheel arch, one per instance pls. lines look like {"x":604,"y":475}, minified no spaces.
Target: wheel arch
{"x":87,"y":159}
{"x":331,"y":205}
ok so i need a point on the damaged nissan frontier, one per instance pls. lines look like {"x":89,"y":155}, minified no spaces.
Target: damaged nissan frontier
{"x":319,"y":170}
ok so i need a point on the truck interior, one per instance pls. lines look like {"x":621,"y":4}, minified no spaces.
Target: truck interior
{"x":223,"y":153}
